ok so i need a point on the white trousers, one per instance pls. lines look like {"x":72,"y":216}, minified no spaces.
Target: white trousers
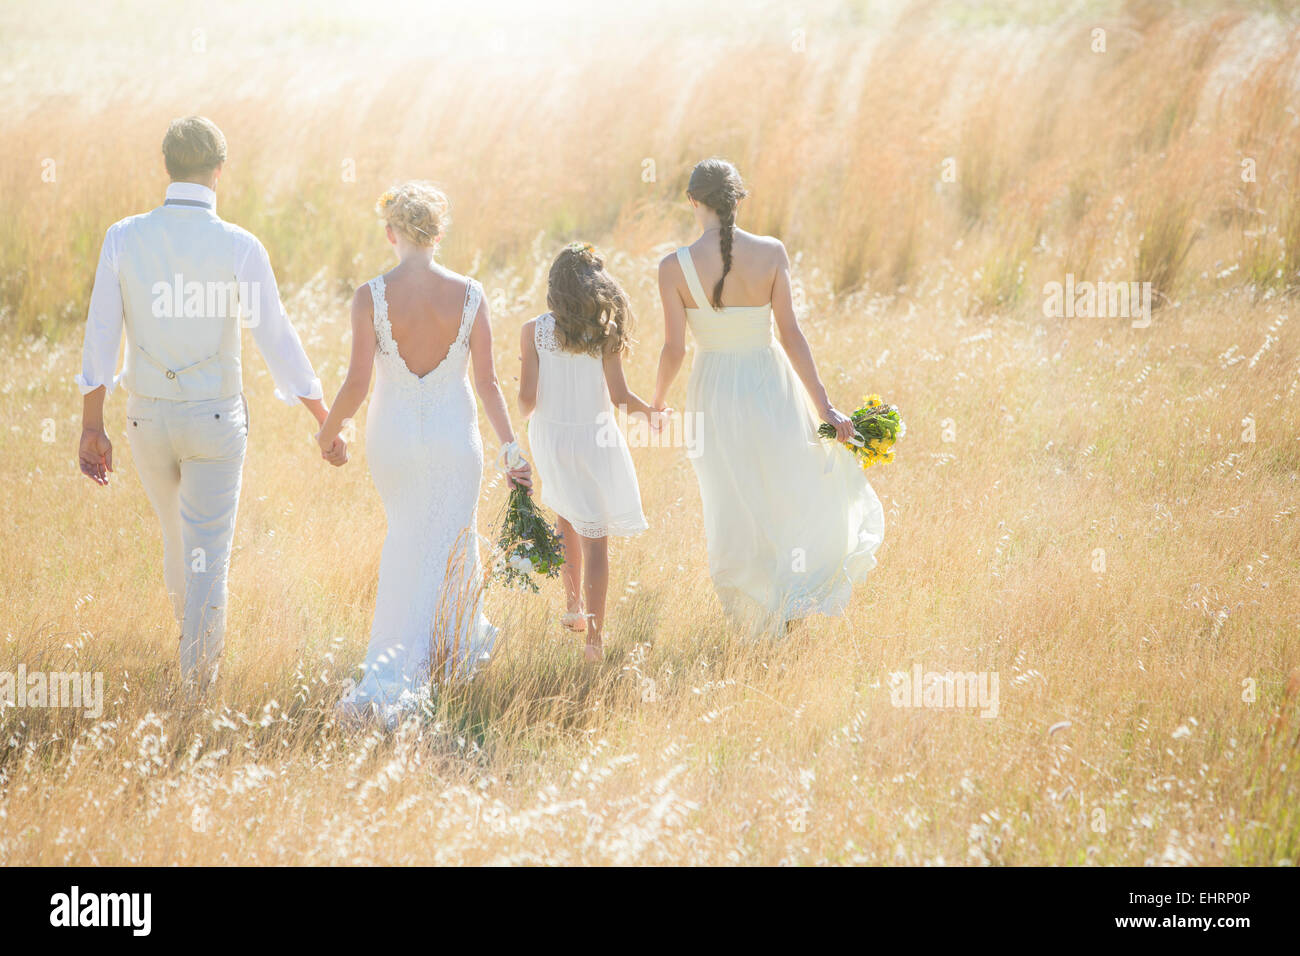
{"x":190,"y":456}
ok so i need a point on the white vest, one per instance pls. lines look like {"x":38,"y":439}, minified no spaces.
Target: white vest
{"x":180,"y":303}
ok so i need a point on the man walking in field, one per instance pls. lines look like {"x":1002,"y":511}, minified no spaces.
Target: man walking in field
{"x":181,"y":282}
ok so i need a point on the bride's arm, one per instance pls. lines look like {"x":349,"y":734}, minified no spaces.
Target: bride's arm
{"x":796,"y":348}
{"x":489,"y":390}
{"x":674,"y":350}
{"x":357,"y":384}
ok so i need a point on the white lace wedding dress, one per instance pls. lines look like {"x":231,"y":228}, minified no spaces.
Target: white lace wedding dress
{"x":426,"y":458}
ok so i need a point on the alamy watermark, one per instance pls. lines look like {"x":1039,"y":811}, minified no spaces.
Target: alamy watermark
{"x":208,"y":299}
{"x":1098,"y":300}
{"x":75,"y":908}
{"x":945,"y":690}
{"x":679,"y":430}
{"x":55,"y":689}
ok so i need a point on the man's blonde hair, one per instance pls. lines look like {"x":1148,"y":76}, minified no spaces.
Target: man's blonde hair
{"x":193,"y":147}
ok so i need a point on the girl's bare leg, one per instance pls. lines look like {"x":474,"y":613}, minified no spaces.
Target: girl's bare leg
{"x":595,"y":559}
{"x":571,"y":570}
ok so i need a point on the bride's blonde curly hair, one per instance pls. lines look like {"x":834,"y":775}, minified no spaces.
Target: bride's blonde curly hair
{"x":417,"y":210}
{"x":592,"y":313}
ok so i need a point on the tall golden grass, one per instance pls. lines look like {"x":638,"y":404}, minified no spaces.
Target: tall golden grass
{"x":1076,"y":506}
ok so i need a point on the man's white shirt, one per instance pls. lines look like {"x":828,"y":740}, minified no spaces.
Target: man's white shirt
{"x":273,"y":334}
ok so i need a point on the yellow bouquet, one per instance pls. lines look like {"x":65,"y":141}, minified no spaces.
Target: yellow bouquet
{"x":878,"y":426}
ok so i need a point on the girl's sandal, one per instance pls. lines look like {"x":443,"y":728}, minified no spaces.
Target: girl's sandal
{"x":574,"y":621}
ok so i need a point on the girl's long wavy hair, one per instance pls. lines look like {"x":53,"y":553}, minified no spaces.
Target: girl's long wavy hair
{"x":592,"y":313}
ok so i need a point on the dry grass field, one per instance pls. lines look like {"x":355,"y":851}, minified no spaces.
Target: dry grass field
{"x":1105,"y":516}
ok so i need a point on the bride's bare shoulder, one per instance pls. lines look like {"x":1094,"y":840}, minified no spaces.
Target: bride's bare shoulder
{"x":450,"y":289}
{"x":446,"y":277}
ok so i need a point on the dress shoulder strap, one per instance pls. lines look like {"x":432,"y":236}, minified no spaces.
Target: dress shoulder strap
{"x":544,"y":334}
{"x":473,"y":296}
{"x":693,"y":279}
{"x":379,"y":308}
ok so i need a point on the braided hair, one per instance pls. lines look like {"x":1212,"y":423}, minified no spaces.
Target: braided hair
{"x":716,"y":184}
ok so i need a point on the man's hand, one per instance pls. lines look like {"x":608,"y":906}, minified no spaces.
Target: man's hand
{"x":95,"y":455}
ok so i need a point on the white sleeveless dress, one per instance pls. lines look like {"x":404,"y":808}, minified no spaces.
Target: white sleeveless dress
{"x":579,"y":451}
{"x":426,"y":459}
{"x":791,"y":521}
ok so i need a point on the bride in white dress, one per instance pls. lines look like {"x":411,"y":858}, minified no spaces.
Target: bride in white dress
{"x":791,"y":521}
{"x":421,"y":325}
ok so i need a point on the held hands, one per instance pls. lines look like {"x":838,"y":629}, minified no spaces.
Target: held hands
{"x":334,"y":450}
{"x":659,"y":417}
{"x":842,"y":424}
{"x":95,"y":455}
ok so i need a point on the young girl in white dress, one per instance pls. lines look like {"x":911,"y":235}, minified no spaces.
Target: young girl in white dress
{"x":571,"y":380}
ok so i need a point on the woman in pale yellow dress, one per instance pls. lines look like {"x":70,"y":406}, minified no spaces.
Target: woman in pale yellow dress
{"x":791,"y":521}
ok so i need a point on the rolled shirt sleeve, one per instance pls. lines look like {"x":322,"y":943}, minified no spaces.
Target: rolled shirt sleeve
{"x":274,"y":334}
{"x":103,"y":340}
